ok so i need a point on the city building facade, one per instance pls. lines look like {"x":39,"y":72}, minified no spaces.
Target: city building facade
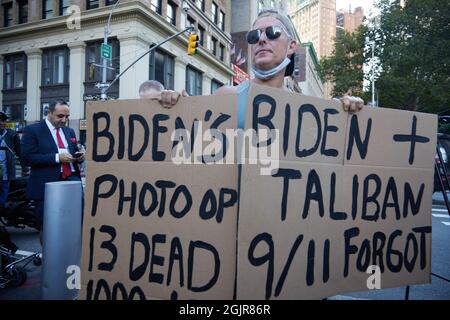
{"x":348,"y":20}
{"x":52,"y":49}
{"x":315,"y":21}
{"x":305,"y":73}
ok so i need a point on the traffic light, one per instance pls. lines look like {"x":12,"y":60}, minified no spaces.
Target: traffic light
{"x":192,"y":44}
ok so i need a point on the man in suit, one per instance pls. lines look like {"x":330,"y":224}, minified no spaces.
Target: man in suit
{"x":50,"y":149}
{"x":9,"y":150}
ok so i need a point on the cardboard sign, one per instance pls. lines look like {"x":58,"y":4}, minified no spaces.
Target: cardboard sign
{"x":155,"y":229}
{"x":326,"y":198}
{"x":352,"y":193}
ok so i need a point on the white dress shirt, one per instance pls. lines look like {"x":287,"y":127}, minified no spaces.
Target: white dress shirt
{"x":55,"y":139}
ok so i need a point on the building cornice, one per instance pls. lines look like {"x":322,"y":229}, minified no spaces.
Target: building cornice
{"x":33,"y":52}
{"x":77,"y":44}
{"x":94,"y":17}
{"x":128,"y":11}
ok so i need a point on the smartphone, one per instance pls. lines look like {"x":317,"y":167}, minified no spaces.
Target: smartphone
{"x":78,"y":155}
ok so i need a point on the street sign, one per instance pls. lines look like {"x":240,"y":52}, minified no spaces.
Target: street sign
{"x":100,"y":85}
{"x":106,"y":51}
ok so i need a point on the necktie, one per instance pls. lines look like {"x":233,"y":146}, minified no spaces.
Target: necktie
{"x":66,"y":172}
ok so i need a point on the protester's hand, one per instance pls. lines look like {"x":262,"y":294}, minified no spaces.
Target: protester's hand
{"x":169,"y":97}
{"x":352,"y":104}
{"x":65,"y":158}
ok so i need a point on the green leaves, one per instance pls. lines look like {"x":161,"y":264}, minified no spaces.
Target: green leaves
{"x":416,"y":55}
{"x":344,"y":66}
{"x":413,"y":47}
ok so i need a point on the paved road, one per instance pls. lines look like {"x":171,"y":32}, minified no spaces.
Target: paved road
{"x":440,"y":265}
{"x":28,"y":239}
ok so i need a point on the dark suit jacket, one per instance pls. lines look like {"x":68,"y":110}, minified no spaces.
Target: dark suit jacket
{"x":12,"y":140}
{"x":38,"y":152}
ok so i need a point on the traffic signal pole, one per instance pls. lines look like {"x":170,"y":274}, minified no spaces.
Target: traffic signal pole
{"x":104,"y":85}
{"x":106,"y":88}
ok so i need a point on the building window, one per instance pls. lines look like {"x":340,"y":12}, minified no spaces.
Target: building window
{"x":15,"y":72}
{"x":19,"y":73}
{"x":162,"y":68}
{"x":260,"y":5}
{"x":23,"y":12}
{"x":194,"y":79}
{"x":214,"y":12}
{"x":7,"y":14}
{"x":8,"y":75}
{"x":222,"y":20}
{"x":93,"y":57}
{"x":272,"y":4}
{"x":110,"y":2}
{"x":55,"y":66}
{"x":214,"y":46}
{"x":47,"y":9}
{"x":201,"y":35}
{"x":15,"y":112}
{"x":91,"y":4}
{"x":155,"y":5}
{"x":222,"y":52}
{"x":215,"y":85}
{"x":200,"y":4}
{"x":63,"y":6}
{"x":172,"y":13}
{"x":191,"y":21}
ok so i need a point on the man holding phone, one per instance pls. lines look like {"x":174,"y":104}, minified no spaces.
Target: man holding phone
{"x":50,"y":148}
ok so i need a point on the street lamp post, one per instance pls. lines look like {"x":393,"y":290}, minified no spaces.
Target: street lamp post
{"x":104,"y":85}
{"x":372,"y":66}
{"x":373,"y":73}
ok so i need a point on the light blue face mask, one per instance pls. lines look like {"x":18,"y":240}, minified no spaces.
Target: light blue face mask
{"x":267,"y":74}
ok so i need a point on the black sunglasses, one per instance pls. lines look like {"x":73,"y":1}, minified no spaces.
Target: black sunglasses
{"x":272,"y":33}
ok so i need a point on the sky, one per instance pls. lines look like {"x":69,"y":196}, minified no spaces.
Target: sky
{"x":344,"y":4}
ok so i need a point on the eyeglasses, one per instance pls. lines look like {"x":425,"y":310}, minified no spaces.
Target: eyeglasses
{"x":272,"y":33}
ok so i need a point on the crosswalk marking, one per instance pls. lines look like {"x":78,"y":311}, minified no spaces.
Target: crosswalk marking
{"x":440,"y":210}
{"x":440,"y":215}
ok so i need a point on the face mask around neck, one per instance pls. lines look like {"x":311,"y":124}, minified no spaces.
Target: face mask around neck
{"x":267,"y":74}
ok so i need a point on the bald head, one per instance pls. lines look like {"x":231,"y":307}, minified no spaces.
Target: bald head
{"x":150,"y":89}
